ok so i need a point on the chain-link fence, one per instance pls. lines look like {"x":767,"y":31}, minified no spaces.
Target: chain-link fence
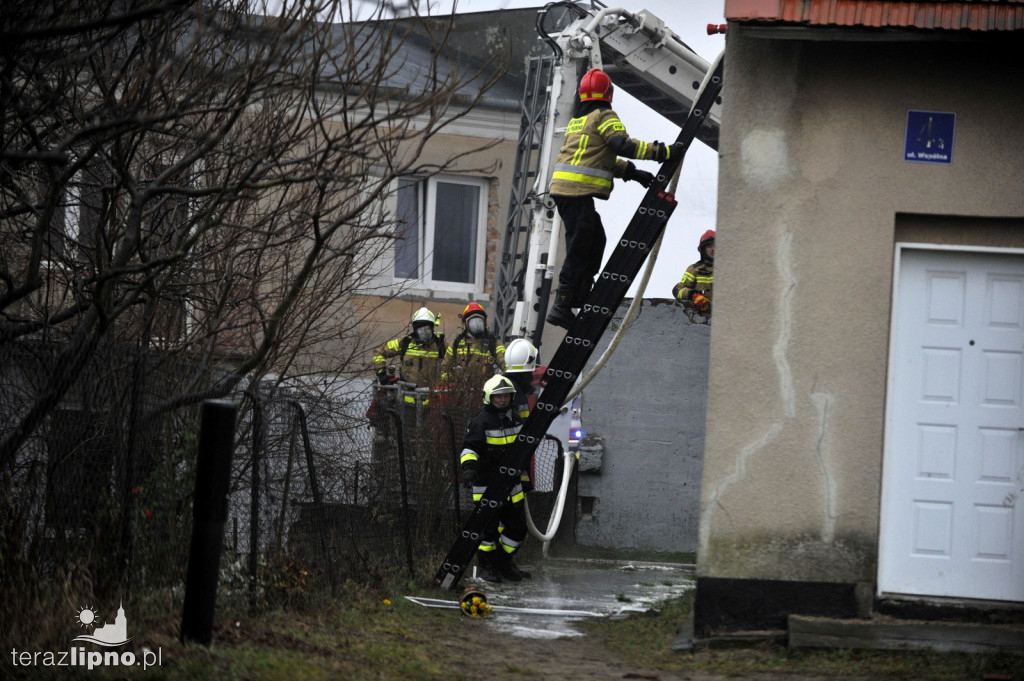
{"x":332,"y":481}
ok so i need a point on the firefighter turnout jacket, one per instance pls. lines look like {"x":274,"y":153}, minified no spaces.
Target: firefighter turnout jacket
{"x":475,"y":357}
{"x":589,"y":158}
{"x":698,"y":278}
{"x":420,"y":362}
{"x":487,"y":441}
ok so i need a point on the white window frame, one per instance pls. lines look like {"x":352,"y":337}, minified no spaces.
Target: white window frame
{"x":428,"y":207}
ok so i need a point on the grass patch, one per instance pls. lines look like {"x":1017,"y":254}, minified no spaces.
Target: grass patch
{"x":373,"y":634}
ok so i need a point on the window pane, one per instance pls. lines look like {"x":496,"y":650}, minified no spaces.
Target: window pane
{"x":407,"y":230}
{"x":455,"y":232}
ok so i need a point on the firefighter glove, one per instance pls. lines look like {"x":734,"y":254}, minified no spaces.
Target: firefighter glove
{"x":383,"y":378}
{"x":633,"y":174}
{"x":701,"y":302}
{"x":645,"y":178}
{"x":670,"y":151}
{"x":468,"y":478}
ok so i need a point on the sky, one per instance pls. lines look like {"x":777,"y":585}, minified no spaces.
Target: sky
{"x":697,"y":192}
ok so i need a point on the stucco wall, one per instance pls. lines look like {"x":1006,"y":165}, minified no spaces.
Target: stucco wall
{"x":647,"y":405}
{"x":812,"y":185}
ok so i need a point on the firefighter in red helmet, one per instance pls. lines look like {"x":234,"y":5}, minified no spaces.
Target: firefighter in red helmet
{"x":694,"y":289}
{"x":587,"y":164}
{"x":475,"y":351}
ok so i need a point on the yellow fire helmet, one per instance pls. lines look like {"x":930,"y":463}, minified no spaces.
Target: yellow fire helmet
{"x":497,"y":385}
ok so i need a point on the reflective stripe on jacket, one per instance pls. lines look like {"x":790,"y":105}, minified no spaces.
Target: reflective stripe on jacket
{"x":698,"y":277}
{"x":421,"y":364}
{"x":473,"y":355}
{"x":486,"y":443}
{"x":586,"y":165}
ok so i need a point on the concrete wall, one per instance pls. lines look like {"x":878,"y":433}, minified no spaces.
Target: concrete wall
{"x":647,"y":405}
{"x":814,"y":193}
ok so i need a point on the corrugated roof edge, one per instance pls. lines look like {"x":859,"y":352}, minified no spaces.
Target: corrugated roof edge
{"x":947,"y":15}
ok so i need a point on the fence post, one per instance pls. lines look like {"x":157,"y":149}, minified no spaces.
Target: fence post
{"x":317,"y":499}
{"x":254,"y":492}
{"x":456,"y":468}
{"x":406,"y":519}
{"x":209,"y":513}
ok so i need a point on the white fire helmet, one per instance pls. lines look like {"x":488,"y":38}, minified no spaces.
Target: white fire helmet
{"x":520,"y":355}
{"x":423,"y":316}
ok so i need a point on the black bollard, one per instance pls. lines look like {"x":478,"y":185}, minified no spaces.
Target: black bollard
{"x":209,"y":515}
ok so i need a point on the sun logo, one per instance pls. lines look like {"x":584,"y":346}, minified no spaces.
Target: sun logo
{"x":86,"y":617}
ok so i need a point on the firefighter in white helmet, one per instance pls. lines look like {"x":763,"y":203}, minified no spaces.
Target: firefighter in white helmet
{"x":520,"y":364}
{"x":487,"y":441}
{"x":521,"y":369}
{"x":420,"y":352}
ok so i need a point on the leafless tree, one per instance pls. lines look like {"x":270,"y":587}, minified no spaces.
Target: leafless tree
{"x":190,"y":195}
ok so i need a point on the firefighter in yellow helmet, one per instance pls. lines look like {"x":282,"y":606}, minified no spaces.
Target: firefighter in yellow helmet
{"x":420,"y":352}
{"x":587,"y":164}
{"x":486,"y":443}
{"x":694,"y":289}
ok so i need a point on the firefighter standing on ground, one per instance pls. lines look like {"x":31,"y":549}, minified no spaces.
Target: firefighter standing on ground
{"x":475,"y":353}
{"x":520,"y":366}
{"x":420,"y":353}
{"x":694,"y":289}
{"x":490,"y":434}
{"x":588,"y":162}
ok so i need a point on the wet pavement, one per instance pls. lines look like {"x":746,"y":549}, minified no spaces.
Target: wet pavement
{"x":602,"y":587}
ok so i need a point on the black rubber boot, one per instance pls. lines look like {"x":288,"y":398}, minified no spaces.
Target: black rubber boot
{"x":508,"y":569}
{"x":487,"y":569}
{"x":561,"y":312}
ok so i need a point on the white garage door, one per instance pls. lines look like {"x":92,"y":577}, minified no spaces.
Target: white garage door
{"x":953,"y":477}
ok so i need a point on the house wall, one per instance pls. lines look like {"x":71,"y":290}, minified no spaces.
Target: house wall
{"x":814,"y":192}
{"x":385,"y":317}
{"x":641,"y":481}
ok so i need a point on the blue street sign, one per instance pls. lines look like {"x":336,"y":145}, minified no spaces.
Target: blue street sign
{"x":929,"y":137}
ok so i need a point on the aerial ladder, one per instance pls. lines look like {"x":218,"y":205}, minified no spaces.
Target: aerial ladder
{"x":644,"y":58}
{"x":639,"y":51}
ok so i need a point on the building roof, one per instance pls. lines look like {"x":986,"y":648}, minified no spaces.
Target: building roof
{"x":474,"y":47}
{"x":951,"y":15}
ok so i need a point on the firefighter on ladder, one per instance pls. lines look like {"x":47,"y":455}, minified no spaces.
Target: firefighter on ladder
{"x":694,"y":289}
{"x":587,"y":164}
{"x":486,"y":443}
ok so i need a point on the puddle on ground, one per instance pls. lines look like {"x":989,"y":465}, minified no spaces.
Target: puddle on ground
{"x":597,"y":586}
